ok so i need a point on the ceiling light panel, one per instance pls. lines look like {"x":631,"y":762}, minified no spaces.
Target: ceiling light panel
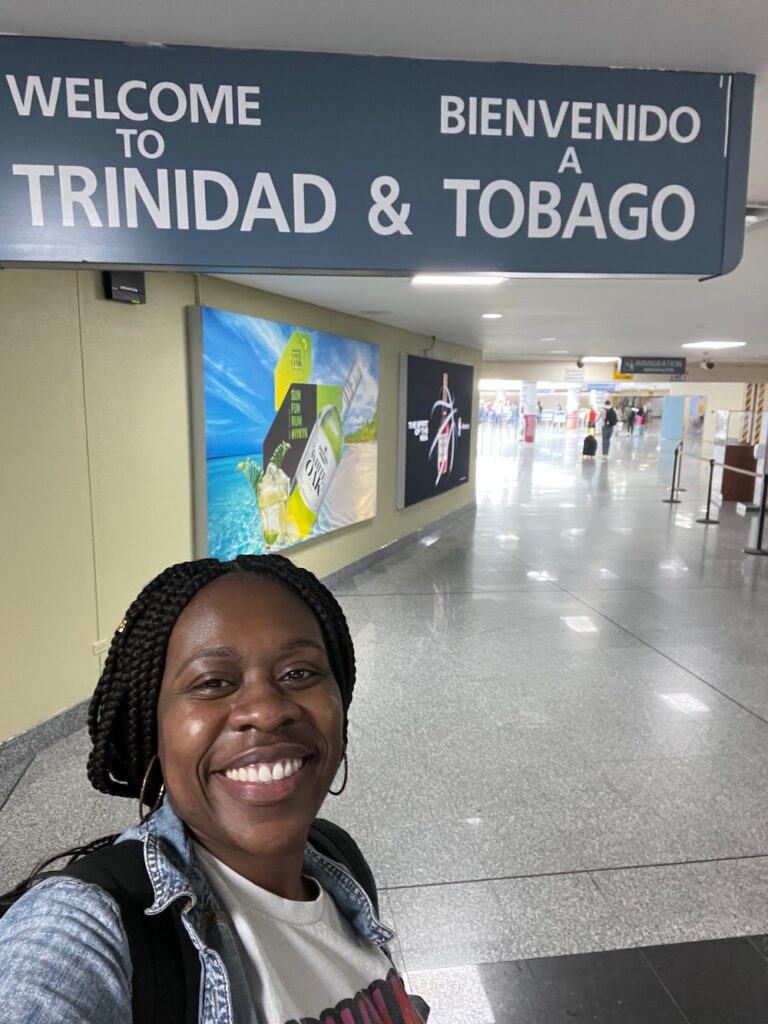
{"x":459,"y":280}
{"x":711,"y":346}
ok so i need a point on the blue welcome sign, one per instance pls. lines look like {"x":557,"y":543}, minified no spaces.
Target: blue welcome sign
{"x":227,"y":160}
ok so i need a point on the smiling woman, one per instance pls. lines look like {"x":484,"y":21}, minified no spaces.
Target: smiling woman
{"x":223,"y":704}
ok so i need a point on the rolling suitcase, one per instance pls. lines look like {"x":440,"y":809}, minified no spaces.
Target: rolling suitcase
{"x":590,"y":446}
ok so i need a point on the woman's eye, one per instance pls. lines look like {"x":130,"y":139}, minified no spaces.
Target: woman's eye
{"x":211,"y":685}
{"x":299,"y":675}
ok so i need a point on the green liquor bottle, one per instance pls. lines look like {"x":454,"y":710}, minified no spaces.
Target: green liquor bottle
{"x":320,"y":459}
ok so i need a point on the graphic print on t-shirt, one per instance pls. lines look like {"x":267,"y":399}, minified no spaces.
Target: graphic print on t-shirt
{"x":381,"y":1002}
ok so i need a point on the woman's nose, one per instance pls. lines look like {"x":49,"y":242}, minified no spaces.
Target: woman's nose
{"x":262,"y":705}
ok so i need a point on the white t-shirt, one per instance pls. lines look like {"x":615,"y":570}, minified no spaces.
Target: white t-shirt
{"x":303,"y":960}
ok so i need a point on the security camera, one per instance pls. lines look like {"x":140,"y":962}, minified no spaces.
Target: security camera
{"x":707,"y":364}
{"x":580,"y":363}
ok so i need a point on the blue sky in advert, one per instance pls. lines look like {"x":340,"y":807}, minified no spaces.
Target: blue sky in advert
{"x":240,"y":354}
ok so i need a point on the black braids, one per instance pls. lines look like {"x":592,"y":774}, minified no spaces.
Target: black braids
{"x":122,"y":716}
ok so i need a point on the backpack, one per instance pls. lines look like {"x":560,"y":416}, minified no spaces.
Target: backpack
{"x":611,"y":418}
{"x":166,"y":967}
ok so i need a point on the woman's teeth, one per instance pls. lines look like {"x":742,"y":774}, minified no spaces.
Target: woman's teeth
{"x":266,"y":772}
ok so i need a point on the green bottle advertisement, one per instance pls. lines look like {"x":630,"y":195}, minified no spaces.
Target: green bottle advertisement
{"x":320,"y":459}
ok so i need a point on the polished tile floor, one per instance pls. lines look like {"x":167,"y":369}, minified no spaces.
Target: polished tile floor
{"x":558,"y":746}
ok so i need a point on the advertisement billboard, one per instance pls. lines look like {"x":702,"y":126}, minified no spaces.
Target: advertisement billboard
{"x":435,"y":418}
{"x":284,"y":432}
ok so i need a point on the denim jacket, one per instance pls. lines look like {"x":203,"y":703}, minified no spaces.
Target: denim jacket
{"x":64,"y":956}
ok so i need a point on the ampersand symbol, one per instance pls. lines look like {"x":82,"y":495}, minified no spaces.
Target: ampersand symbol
{"x":384,"y":192}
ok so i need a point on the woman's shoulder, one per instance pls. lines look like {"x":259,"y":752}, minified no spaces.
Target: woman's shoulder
{"x":64,"y":955}
{"x":59,"y":899}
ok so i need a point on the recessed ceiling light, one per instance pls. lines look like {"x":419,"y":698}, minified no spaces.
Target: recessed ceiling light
{"x":458,"y":279}
{"x":558,"y":351}
{"x":547,"y":339}
{"x":492,"y":316}
{"x":711,"y":345}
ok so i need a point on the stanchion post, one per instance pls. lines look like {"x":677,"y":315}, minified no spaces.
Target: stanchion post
{"x":758,"y":549}
{"x":707,"y":518}
{"x":680,"y":469}
{"x":672,"y":500}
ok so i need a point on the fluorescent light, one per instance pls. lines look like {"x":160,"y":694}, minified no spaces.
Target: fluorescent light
{"x":547,"y":339}
{"x":458,"y":279}
{"x":600,"y":359}
{"x":493,"y":384}
{"x":492,"y":316}
{"x":558,"y":351}
{"x":708,"y":346}
{"x":751,"y":218}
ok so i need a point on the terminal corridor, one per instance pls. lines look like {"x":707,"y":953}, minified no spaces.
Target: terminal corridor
{"x":558,"y":746}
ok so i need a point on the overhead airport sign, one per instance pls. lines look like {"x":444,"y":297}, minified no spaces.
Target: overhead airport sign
{"x":650,"y":364}
{"x":256,"y":160}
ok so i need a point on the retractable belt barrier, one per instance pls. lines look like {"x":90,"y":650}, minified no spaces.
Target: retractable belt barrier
{"x":707,"y":519}
{"x":673,"y":499}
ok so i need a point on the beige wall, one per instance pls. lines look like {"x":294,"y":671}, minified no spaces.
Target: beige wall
{"x":718,"y":396}
{"x":96,"y":492}
{"x":47,"y":591}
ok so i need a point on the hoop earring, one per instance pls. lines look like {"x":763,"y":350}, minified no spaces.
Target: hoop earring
{"x":338,"y":792}
{"x":142,"y":803}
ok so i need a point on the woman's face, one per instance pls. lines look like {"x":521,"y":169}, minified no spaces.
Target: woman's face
{"x":250,"y":719}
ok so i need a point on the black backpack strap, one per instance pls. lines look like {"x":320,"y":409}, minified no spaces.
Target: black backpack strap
{"x":166,"y":967}
{"x":332,"y":841}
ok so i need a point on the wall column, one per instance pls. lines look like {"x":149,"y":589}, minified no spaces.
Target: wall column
{"x":529,"y":409}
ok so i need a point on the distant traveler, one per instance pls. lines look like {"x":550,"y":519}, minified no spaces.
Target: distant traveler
{"x":592,"y":419}
{"x":609,"y":420}
{"x":223,"y":708}
{"x":631,"y":413}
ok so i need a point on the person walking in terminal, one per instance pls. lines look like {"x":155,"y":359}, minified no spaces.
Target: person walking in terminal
{"x":222,"y":707}
{"x":630,"y":419}
{"x":609,"y":420}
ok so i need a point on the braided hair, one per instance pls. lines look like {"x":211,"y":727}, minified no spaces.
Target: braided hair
{"x":122,"y":715}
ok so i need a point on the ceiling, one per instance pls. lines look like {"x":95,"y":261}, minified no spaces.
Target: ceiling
{"x":587,"y":317}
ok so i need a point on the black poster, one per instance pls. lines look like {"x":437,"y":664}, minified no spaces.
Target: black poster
{"x":436,"y":405}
